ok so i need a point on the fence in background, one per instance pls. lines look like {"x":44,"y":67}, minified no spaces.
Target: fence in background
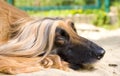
{"x":36,"y":4}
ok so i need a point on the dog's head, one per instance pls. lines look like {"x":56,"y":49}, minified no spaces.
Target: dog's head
{"x":77,"y":54}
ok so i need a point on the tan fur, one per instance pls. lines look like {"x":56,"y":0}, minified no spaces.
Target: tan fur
{"x":33,"y":37}
{"x":8,"y":15}
{"x":16,"y":65}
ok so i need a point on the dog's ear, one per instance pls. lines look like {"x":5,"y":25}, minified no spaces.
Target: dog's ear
{"x":61,"y":38}
{"x":71,"y":24}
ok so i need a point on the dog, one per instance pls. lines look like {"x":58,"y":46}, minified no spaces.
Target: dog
{"x":32,"y":40}
{"x":77,"y":54}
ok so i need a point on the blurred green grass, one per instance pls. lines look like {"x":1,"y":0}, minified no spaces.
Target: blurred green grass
{"x":54,"y":13}
{"x":102,"y":19}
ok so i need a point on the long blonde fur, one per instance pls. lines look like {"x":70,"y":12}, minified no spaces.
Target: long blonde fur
{"x":23,"y":38}
{"x":35,"y":36}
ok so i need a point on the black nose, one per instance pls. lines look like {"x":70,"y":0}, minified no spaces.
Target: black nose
{"x":100,"y":54}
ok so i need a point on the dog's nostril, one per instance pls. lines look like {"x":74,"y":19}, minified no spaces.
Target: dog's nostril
{"x":100,"y":54}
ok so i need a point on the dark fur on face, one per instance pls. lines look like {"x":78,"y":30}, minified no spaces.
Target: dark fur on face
{"x":79,"y":54}
{"x":76,"y":54}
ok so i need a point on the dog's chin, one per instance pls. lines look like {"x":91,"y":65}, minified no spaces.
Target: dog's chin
{"x":90,"y":61}
{"x":85,"y":65}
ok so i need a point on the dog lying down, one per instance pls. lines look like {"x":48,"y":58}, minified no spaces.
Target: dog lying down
{"x":46,"y":43}
{"x":16,"y":65}
{"x":32,"y":44}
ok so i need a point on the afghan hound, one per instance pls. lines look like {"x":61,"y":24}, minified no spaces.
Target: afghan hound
{"x":36,"y":44}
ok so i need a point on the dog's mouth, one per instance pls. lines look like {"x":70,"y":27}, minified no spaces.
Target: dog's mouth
{"x":85,"y":65}
{"x":90,"y":61}
{"x":82,"y":66}
{"x":78,"y":59}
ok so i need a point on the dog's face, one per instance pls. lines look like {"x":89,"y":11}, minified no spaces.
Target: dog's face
{"x":77,"y":54}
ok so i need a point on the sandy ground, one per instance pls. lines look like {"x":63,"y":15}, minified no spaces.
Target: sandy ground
{"x":108,"y":66}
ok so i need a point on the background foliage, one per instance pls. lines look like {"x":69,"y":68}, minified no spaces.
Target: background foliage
{"x":101,"y":17}
{"x":52,"y":2}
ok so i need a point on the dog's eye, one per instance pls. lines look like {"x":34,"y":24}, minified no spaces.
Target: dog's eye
{"x":60,"y":41}
{"x":62,"y":38}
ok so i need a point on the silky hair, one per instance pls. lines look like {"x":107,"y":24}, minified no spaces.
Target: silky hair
{"x":8,"y":15}
{"x":35,"y":36}
{"x":22,"y":40}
